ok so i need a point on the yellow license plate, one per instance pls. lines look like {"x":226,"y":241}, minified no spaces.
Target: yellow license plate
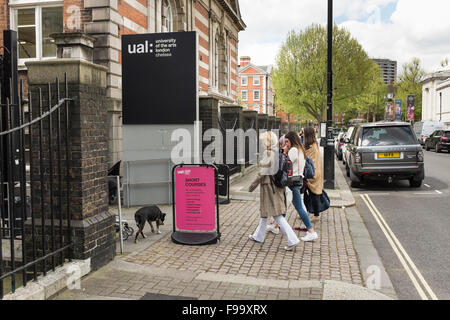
{"x":392,"y":155}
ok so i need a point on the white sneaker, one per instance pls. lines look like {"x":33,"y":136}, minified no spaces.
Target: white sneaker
{"x":310,"y":237}
{"x":292,"y":248}
{"x":272,"y":229}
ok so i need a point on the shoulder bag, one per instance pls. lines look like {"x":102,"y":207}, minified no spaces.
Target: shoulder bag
{"x":295,"y":181}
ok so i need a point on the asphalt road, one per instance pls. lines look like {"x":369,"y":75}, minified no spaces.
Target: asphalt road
{"x":419,"y":219}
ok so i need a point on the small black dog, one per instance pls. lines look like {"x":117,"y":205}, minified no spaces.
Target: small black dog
{"x":148,"y":214}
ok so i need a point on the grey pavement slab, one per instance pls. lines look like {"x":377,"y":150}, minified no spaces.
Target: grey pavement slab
{"x":343,"y":291}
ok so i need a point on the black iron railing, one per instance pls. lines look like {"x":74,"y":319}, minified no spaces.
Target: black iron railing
{"x":35,"y":219}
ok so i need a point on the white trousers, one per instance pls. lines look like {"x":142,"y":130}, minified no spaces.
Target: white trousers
{"x":260,"y":232}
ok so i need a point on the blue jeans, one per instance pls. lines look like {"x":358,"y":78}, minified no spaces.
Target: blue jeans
{"x":297,"y":202}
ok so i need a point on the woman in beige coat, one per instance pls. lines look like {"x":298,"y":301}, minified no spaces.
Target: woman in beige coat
{"x":314,"y":185}
{"x":272,"y":198}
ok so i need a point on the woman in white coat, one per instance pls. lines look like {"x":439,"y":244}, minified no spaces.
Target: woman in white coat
{"x":272,"y":198}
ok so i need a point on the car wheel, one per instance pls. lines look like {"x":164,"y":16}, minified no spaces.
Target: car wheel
{"x":355,"y":182}
{"x":426,"y":147}
{"x":415,"y":183}
{"x":437,"y":148}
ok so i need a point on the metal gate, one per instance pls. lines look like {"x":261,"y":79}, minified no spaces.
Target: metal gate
{"x":35,"y":220}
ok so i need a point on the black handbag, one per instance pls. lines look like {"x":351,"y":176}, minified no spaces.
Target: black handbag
{"x":295,"y":181}
{"x":324,"y":201}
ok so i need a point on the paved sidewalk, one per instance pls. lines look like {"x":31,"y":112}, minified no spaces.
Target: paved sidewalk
{"x":239,"y":269}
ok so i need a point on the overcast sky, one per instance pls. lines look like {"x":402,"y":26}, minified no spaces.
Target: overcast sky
{"x":394,"y":29}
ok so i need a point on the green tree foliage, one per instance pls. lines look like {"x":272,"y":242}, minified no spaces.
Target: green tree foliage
{"x":300,"y":76}
{"x":409,"y":83}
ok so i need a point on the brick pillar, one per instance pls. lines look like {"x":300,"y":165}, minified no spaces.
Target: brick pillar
{"x":271,"y":120}
{"x":262,"y":122}
{"x":250,"y":121}
{"x":209,"y":116}
{"x":278,"y":124}
{"x":231,"y":116}
{"x":92,"y":226}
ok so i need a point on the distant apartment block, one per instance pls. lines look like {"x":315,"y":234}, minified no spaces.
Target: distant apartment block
{"x":255,"y":87}
{"x":388,"y":69}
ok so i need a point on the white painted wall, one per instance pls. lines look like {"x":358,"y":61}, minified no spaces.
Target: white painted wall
{"x":432,"y":85}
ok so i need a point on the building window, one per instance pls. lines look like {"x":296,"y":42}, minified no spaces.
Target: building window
{"x":166,"y":17}
{"x":34,"y":25}
{"x":244,"y":81}
{"x":244,"y":95}
{"x":256,"y":95}
{"x":256,"y":81}
{"x":216,"y":63}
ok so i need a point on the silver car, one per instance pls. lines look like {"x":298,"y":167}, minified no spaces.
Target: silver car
{"x":338,"y":144}
{"x":385,"y":151}
{"x":347,"y":137}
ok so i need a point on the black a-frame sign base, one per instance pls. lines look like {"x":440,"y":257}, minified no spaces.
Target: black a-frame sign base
{"x":195,"y":239}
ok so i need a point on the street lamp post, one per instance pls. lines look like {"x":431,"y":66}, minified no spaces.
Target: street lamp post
{"x":329,"y":147}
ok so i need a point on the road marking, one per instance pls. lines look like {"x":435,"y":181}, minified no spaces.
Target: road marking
{"x":400,"y":251}
{"x":425,"y":193}
{"x":427,"y":186}
{"x":439,"y":192}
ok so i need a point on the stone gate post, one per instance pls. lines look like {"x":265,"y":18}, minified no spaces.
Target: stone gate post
{"x":92,"y":225}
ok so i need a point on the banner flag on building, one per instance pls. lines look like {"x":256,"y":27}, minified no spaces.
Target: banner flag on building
{"x":398,"y":110}
{"x":410,"y":111}
{"x":389,"y":111}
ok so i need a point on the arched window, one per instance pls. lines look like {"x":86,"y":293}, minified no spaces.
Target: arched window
{"x":166,"y":17}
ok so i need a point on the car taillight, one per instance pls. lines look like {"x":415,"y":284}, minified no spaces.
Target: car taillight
{"x":357,"y":158}
{"x":420,"y":157}
{"x":341,"y":144}
{"x":444,"y":139}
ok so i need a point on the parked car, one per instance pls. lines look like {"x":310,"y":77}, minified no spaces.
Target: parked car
{"x":385,"y":151}
{"x":338,"y":143}
{"x":336,"y":132}
{"x":439,"y":140}
{"x":425,"y":129}
{"x":347,"y":137}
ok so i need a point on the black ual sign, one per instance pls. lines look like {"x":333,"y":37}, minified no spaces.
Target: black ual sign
{"x":159,"y":78}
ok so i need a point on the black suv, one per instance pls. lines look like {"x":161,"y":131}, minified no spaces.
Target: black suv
{"x":385,"y":151}
{"x":439,"y":140}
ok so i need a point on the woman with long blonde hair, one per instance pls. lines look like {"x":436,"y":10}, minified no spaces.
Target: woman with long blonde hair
{"x":272,"y":198}
{"x":315,"y":185}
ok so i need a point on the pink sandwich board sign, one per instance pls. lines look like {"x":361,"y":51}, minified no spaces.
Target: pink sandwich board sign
{"x":196,"y":206}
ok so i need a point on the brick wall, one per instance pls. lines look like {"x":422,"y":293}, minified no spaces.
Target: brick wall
{"x":4,"y":18}
{"x":201,"y":18}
